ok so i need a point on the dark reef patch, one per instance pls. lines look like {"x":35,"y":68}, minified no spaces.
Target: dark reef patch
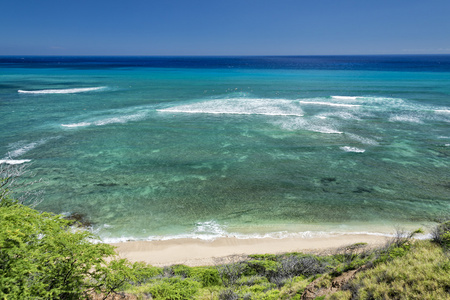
{"x":79,"y":218}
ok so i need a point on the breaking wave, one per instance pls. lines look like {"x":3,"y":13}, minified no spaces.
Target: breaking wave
{"x":361,"y":139}
{"x":405,"y":118}
{"x":442,"y":111}
{"x":211,"y":230}
{"x":345,"y":97}
{"x":240,"y":106}
{"x":328,"y":103}
{"x":320,"y":125}
{"x":119,"y":116}
{"x":62,"y":91}
{"x":22,"y":147}
{"x":352,"y":149}
{"x":14,"y":161}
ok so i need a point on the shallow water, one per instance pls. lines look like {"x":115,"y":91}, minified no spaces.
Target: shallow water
{"x":203,"y":147}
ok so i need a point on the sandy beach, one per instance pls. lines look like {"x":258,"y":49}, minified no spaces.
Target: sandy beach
{"x":196,"y":252}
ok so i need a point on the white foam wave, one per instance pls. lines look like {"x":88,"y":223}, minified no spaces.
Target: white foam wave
{"x":339,"y":114}
{"x":120,"y":119}
{"x":271,"y":235}
{"x":404,"y":110}
{"x":405,"y":118}
{"x":82,"y":124}
{"x":240,"y":106}
{"x":316,"y":125}
{"x":209,"y":227}
{"x":352,"y":149}
{"x":372,"y":103}
{"x":382,"y":103}
{"x":442,"y":111}
{"x":323,"y":129}
{"x":328,"y":103}
{"x":345,"y":97}
{"x":14,"y":161}
{"x":22,"y":147}
{"x":62,"y":91}
{"x":109,"y":120}
{"x":361,"y":139}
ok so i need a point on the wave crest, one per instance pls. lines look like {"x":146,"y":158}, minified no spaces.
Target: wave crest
{"x":352,"y":149}
{"x":14,"y":161}
{"x":328,"y":103}
{"x":62,"y":91}
{"x":240,"y":106}
{"x":108,"y":120}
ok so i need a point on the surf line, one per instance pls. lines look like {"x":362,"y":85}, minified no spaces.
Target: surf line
{"x":62,"y":91}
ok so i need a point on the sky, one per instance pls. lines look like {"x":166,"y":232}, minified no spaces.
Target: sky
{"x":224,"y":27}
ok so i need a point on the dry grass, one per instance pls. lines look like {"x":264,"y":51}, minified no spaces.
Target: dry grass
{"x":422,"y":273}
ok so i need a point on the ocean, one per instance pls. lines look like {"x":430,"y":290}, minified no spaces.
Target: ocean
{"x":148,"y":148}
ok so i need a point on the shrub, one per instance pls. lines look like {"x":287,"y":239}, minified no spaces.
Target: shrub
{"x":252,"y":280}
{"x":230,"y":273}
{"x":42,"y":257}
{"x":441,"y":234}
{"x":294,"y":265}
{"x":174,"y":288}
{"x":181,"y":270}
{"x":265,"y":257}
{"x":307,"y":265}
{"x":209,"y":277}
{"x":260,"y":267}
{"x":228,"y":294}
{"x":142,"y":273}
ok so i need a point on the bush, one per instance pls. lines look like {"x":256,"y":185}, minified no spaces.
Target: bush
{"x":174,"y":288}
{"x":260,"y":267}
{"x":230,"y":273}
{"x":180,"y":270}
{"x":441,"y":234}
{"x":307,"y":266}
{"x":209,"y":277}
{"x":142,"y":273}
{"x":228,"y":294}
{"x":42,"y":257}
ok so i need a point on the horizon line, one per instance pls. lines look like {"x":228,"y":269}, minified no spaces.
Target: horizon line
{"x":214,"y":55}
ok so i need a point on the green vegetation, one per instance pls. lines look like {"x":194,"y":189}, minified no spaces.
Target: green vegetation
{"x":43,"y":256}
{"x":441,"y":234}
{"x":403,"y":269}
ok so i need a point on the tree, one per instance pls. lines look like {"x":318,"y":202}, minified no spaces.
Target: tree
{"x":42,"y":256}
{"x":15,"y":182}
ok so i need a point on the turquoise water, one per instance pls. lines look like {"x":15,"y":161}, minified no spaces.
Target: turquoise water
{"x":148,"y":152}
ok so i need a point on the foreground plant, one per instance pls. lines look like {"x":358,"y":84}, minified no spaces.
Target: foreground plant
{"x":42,"y":257}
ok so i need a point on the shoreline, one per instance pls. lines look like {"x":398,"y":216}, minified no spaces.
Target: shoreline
{"x":196,"y":252}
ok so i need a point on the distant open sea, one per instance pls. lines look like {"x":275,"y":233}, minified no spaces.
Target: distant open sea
{"x":202,"y":147}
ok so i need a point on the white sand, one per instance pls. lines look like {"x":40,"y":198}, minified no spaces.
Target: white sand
{"x":195,"y":252}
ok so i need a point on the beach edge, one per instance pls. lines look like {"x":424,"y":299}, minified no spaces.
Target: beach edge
{"x":196,"y":252}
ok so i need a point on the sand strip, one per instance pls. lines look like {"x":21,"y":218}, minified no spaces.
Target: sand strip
{"x":195,"y":252}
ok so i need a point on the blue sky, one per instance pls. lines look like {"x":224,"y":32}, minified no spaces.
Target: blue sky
{"x":226,"y":27}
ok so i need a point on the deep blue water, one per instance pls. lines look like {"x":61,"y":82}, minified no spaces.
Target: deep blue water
{"x":427,"y":63}
{"x":149,"y":147}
